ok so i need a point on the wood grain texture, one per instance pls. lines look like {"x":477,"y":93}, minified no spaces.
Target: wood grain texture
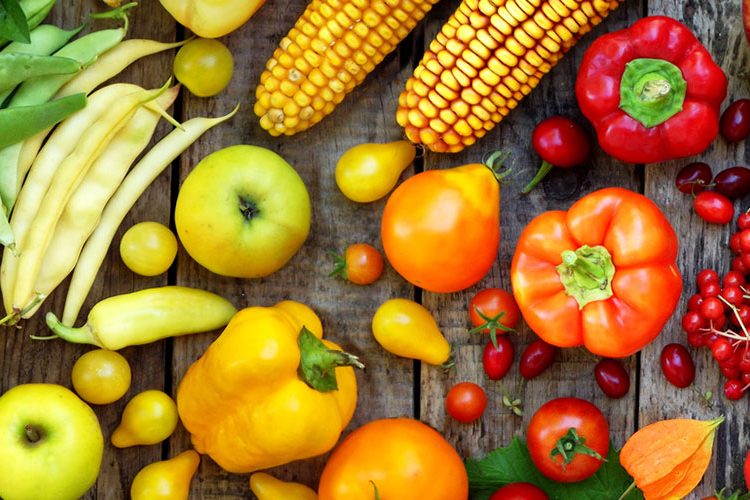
{"x":718,"y":26}
{"x":572,"y":373}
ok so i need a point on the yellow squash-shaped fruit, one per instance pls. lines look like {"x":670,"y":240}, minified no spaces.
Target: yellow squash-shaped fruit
{"x":211,"y":18}
{"x":408,"y":329}
{"x":268,"y":390}
{"x":367,"y":172}
{"x":167,"y":479}
{"x":267,"y":487}
{"x":149,"y":418}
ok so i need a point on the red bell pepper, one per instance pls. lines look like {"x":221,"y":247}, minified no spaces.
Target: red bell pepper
{"x":652,"y":91}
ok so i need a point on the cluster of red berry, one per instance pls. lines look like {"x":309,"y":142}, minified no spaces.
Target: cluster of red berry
{"x":718,"y":315}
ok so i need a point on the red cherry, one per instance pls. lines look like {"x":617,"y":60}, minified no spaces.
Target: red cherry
{"x":733,"y":294}
{"x":712,"y":289}
{"x":733,"y":278}
{"x":731,"y":372}
{"x":706,"y":276}
{"x":696,"y":339}
{"x":743,"y":220}
{"x":722,"y":350}
{"x":692,"y":322}
{"x":733,"y":389}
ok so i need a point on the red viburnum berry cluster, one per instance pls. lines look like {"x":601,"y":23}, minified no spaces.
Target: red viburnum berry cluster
{"x":718,"y":316}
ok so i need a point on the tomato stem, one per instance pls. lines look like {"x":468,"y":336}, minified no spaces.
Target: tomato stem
{"x":492,"y":324}
{"x":570,"y":445}
{"x":544,"y":169}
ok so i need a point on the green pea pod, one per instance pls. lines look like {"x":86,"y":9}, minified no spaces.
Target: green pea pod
{"x":85,"y":50}
{"x":146,"y":316}
{"x":17,"y":124}
{"x":15,"y":68}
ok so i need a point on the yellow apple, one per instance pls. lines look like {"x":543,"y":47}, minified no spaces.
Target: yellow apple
{"x":242,"y":212}
{"x":51,"y":444}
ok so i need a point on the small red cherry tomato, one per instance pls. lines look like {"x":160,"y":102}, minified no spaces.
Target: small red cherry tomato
{"x":612,"y":378}
{"x":361,"y":264}
{"x":560,"y":142}
{"x":568,"y":439}
{"x":519,"y":491}
{"x":493,"y":311}
{"x":536,"y":358}
{"x":713,"y":207}
{"x":677,"y":365}
{"x":466,"y":402}
{"x":498,"y":360}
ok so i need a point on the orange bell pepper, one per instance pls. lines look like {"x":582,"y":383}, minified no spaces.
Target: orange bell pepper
{"x":602,"y":274}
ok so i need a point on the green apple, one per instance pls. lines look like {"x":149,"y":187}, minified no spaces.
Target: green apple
{"x":242,"y":212}
{"x":51,"y":444}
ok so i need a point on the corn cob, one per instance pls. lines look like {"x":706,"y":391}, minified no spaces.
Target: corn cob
{"x":485,"y":59}
{"x":329,"y":51}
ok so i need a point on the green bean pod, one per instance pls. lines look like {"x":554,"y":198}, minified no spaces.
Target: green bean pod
{"x":146,"y":316}
{"x":17,"y":124}
{"x":85,"y":50}
{"x":15,"y":68}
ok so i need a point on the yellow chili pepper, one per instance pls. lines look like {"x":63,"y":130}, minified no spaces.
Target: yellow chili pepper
{"x":267,"y":487}
{"x":147,"y":316}
{"x":212,"y":18}
{"x":268,"y":391}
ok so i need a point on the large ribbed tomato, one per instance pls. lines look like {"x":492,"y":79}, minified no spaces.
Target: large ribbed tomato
{"x":441,"y":228}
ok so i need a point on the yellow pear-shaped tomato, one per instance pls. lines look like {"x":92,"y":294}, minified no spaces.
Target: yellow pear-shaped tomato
{"x":167,"y":479}
{"x":267,"y":487}
{"x":212,"y":18}
{"x":407,"y":329}
{"x":149,"y":418}
{"x":441,"y":228}
{"x":367,"y":172}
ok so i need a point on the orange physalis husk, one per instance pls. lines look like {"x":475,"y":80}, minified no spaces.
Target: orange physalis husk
{"x":667,"y":459}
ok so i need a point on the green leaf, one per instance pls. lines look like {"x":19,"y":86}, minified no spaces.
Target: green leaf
{"x":513,"y":463}
{"x":13,"y":23}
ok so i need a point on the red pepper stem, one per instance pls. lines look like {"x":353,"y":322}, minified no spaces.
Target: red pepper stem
{"x":652,"y":91}
{"x":587,"y":273}
{"x":540,"y":174}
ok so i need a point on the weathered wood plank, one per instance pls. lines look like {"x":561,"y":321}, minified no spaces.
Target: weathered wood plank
{"x":23,"y":360}
{"x":572,"y":373}
{"x":366,"y":115}
{"x":718,"y":26}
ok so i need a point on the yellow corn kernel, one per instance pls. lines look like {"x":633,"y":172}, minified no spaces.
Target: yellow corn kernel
{"x":470,"y":96}
{"x":560,"y":8}
{"x":466,"y":69}
{"x":571,"y":4}
{"x":488,"y":105}
{"x":476,"y":54}
{"x":463,"y":128}
{"x":548,"y":43}
{"x":563,"y":33}
{"x":301,"y":99}
{"x":437,"y":100}
{"x":460,"y":108}
{"x":515,"y":47}
{"x":446,"y":59}
{"x":501,"y":25}
{"x":489,"y":77}
{"x":438,"y":125}
{"x":447,"y":79}
{"x":523,"y":38}
{"x":532,"y":29}
{"x":288,"y":88}
{"x":417,"y":119}
{"x":461,"y":77}
{"x":550,"y":13}
{"x":504,"y":13}
{"x":427,"y":108}
{"x":445,"y":92}
{"x":515,"y":11}
{"x":448,"y":116}
{"x":571,"y":24}
{"x":485,"y":38}
{"x":420,"y":88}
{"x":497,"y":67}
{"x":580,"y":17}
{"x":541,"y":20}
{"x":465,"y":33}
{"x":474,"y":122}
{"x":486,"y":7}
{"x":429,"y":78}
{"x":506,"y":57}
{"x":480,"y":87}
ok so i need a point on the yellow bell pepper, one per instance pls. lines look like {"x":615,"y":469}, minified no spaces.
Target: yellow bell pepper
{"x":212,"y":18}
{"x":267,"y":487}
{"x":268,"y":390}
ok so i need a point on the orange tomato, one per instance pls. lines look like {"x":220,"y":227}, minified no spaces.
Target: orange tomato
{"x":441,"y":228}
{"x":402,"y":458}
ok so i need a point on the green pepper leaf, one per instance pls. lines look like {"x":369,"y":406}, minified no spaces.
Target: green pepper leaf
{"x":13,"y":23}
{"x":513,"y":463}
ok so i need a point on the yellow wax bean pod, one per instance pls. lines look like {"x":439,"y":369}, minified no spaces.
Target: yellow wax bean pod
{"x":60,"y":145}
{"x":84,"y":209}
{"x":67,"y":177}
{"x":113,"y":62}
{"x":135,"y":183}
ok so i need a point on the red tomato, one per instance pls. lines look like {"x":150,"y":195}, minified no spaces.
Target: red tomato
{"x":713,"y":207}
{"x":466,"y":402}
{"x":565,"y":422}
{"x":441,"y":228}
{"x":493,"y":310}
{"x":497,"y":360}
{"x":519,"y":491}
{"x":362,"y":264}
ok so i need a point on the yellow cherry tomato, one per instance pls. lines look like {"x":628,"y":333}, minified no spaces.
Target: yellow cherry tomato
{"x":149,"y":418}
{"x":101,"y":377}
{"x":167,"y":479}
{"x":367,"y":172}
{"x":148,"y":248}
{"x":408,"y":329}
{"x":204,"y":66}
{"x":267,"y":487}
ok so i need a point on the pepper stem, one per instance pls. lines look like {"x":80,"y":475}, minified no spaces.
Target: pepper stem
{"x":82,"y":335}
{"x":587,"y":274}
{"x":495,"y":161}
{"x":652,"y":91}
{"x":318,"y":363}
{"x":570,"y":445}
{"x":540,"y":174}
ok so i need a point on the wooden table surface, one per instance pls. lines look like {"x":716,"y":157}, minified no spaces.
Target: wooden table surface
{"x":391,"y":386}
